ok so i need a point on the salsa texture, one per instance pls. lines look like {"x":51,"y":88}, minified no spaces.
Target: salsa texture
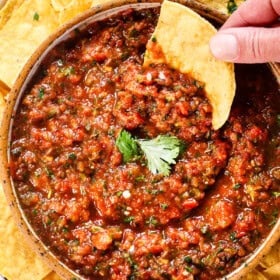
{"x":110,"y":219}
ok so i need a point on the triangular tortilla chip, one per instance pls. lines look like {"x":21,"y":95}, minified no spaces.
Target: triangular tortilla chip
{"x":183,"y":36}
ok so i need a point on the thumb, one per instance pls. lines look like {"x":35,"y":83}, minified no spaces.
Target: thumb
{"x":247,"y":44}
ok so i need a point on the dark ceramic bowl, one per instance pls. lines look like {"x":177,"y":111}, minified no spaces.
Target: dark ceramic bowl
{"x":96,"y":13}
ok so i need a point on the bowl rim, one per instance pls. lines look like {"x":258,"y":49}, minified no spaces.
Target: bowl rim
{"x":97,"y":12}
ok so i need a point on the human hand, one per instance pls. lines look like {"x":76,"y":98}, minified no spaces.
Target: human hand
{"x":251,"y":34}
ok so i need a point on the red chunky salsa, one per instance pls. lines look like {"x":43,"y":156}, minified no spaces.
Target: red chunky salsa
{"x":111,"y":217}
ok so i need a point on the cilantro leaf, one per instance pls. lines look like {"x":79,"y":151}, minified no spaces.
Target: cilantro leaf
{"x":41,"y":93}
{"x":127,"y":146}
{"x":36,"y":16}
{"x":159,"y":152}
{"x":231,"y":6}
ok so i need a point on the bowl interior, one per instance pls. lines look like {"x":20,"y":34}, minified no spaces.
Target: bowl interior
{"x":22,"y":83}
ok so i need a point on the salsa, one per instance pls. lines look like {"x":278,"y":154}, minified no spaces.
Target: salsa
{"x":107,"y":218}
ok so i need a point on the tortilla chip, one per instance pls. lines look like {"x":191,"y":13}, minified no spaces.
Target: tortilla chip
{"x":74,"y":8}
{"x":7,"y":10}
{"x":17,"y":260}
{"x":272,"y":258}
{"x":25,"y":25}
{"x":255,"y":275}
{"x":183,"y":37}
{"x":52,"y":276}
{"x":273,"y":272}
{"x":2,"y":3}
{"x":221,"y":5}
{"x":3,"y":93}
{"x":99,"y":2}
{"x":60,"y":5}
{"x":30,"y":24}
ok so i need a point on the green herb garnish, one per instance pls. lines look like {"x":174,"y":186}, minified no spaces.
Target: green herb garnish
{"x":231,"y":6}
{"x":127,"y":146}
{"x":140,"y":178}
{"x":188,"y":259}
{"x":67,"y":71}
{"x":72,"y":156}
{"x":134,"y":33}
{"x":124,"y":56}
{"x":128,"y":219}
{"x":236,"y":186}
{"x":154,"y":192}
{"x":36,"y":16}
{"x":189,"y":269}
{"x":159,"y":152}
{"x":119,"y":193}
{"x":232,"y":236}
{"x":154,"y":39}
{"x":152,"y":221}
{"x":274,"y":217}
{"x":204,"y":229}
{"x":132,"y":263}
{"x":164,"y":206}
{"x":49,"y":172}
{"x":41,"y":93}
{"x":276,"y":194}
{"x":65,"y":229}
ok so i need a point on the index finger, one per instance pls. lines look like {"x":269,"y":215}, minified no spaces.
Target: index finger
{"x":254,"y":13}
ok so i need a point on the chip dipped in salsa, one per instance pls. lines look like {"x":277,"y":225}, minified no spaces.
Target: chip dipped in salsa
{"x":119,"y":171}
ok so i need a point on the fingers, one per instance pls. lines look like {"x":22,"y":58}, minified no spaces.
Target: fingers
{"x":247,"y":44}
{"x":240,"y":40}
{"x":254,"y":13}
